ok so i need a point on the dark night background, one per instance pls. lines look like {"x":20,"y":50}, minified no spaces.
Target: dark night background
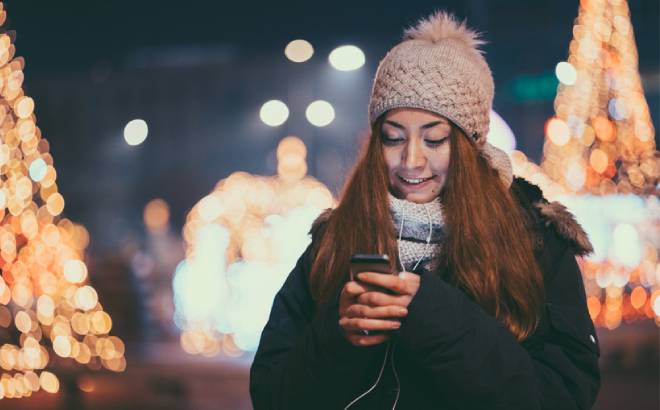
{"x":198,"y":71}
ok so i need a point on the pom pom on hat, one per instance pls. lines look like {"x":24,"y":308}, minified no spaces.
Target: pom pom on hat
{"x":444,"y":26}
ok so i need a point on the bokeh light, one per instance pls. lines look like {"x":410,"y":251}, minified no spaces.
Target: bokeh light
{"x":86,"y":384}
{"x":566,"y":73}
{"x":626,"y":245}
{"x":86,"y":298}
{"x":299,"y":51}
{"x":557,"y":131}
{"x":605,"y":130}
{"x":320,"y":113}
{"x":242,"y":240}
{"x":156,"y":215}
{"x":617,"y":109}
{"x":49,"y":382}
{"x":500,"y":134}
{"x":75,"y":271}
{"x":274,"y":113}
{"x":136,"y":131}
{"x":347,"y":58}
{"x":601,"y":162}
{"x":38,"y":169}
{"x":43,"y":286}
{"x":598,"y":160}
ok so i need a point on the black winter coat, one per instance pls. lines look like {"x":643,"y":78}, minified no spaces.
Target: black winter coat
{"x":448,"y":353}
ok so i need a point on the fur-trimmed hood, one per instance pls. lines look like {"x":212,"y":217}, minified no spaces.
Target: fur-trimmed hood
{"x":547,"y":214}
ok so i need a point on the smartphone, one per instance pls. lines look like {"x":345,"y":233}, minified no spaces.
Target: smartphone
{"x":369,"y":262}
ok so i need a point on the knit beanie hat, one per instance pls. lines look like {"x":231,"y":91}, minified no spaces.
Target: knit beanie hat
{"x":439,"y":68}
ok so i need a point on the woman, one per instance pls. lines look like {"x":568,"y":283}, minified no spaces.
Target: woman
{"x":488,"y":310}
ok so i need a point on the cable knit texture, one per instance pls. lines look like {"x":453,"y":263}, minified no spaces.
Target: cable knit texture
{"x":413,"y":245}
{"x":437,"y":67}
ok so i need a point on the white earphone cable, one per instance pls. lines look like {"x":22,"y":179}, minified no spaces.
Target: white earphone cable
{"x":389,"y":343}
{"x":380,"y":374}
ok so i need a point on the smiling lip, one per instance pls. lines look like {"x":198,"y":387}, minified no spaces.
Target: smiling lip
{"x":414,"y":182}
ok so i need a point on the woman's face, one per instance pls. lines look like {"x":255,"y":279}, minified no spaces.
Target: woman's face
{"x":416,"y":149}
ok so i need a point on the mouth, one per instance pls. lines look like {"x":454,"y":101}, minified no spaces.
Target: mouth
{"x":414,"y":181}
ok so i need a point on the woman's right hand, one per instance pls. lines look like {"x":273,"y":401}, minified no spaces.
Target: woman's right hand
{"x":354,"y":317}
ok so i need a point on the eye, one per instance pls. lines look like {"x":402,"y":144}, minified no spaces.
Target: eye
{"x":389,"y":140}
{"x":435,"y":143}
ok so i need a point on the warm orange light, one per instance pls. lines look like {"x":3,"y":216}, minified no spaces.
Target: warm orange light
{"x":598,"y":160}
{"x":604,"y":128}
{"x":292,"y":167}
{"x":75,"y":271}
{"x":80,"y":323}
{"x":86,"y":384}
{"x":62,"y":346}
{"x":24,"y":106}
{"x":23,"y":322}
{"x":86,"y":298}
{"x":156,"y":215}
{"x":45,"y":306}
{"x":291,"y":145}
{"x":55,"y":204}
{"x":593,"y":303}
{"x":49,"y":382}
{"x":612,"y":318}
{"x":101,"y":322}
{"x":557,"y":131}
{"x":638,"y":297}
{"x":35,"y":245}
{"x":575,"y":175}
{"x":655,"y":302}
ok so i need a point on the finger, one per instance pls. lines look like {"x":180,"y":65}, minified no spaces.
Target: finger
{"x":383,"y":299}
{"x":354,"y":288}
{"x":377,"y":312}
{"x":370,"y":340}
{"x":351,"y":323}
{"x":410,"y":277}
{"x":391,"y":282}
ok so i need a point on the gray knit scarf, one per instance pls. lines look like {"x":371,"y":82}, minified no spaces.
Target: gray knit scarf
{"x":413,"y":248}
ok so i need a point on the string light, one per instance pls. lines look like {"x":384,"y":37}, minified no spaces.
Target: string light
{"x":600,"y":160}
{"x":43,"y":278}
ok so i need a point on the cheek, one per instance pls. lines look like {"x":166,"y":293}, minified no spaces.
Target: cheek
{"x":392,"y":158}
{"x":439,"y":161}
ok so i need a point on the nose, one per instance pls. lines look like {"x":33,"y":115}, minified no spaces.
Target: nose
{"x":413,"y":155}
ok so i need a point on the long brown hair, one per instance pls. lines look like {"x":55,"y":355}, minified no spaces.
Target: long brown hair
{"x":488,"y":252}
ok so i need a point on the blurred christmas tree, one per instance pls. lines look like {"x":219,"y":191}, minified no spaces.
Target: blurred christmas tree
{"x":49,"y":315}
{"x":242,"y":240}
{"x":600,"y":160}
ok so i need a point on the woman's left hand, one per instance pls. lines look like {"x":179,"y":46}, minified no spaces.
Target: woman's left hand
{"x":404,"y":286}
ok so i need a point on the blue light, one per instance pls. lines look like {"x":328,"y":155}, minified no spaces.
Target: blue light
{"x":38,"y":169}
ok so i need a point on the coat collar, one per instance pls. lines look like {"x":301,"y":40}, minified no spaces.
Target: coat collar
{"x":544,"y":214}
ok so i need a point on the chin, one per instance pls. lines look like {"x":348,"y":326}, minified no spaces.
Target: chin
{"x":421,"y":198}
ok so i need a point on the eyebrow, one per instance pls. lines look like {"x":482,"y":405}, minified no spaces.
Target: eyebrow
{"x":425,"y":126}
